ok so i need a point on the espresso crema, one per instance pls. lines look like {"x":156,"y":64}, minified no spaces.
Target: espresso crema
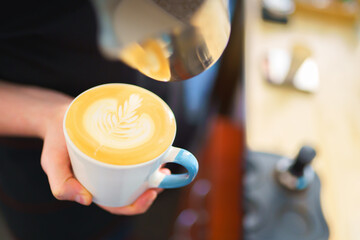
{"x":120,"y":124}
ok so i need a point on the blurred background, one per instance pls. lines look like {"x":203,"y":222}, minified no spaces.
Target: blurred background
{"x":289,"y":77}
{"x":324,"y":114}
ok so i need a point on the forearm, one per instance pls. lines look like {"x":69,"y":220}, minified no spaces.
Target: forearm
{"x":34,"y":111}
{"x":26,"y":110}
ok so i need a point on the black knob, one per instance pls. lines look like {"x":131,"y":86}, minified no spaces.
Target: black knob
{"x":304,"y":158}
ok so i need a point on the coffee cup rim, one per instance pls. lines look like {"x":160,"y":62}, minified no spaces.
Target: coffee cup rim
{"x":108,"y":165}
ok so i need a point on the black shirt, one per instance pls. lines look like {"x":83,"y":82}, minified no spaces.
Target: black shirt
{"x":53,"y":44}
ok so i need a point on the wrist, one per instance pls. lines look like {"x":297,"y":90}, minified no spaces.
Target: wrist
{"x":54,"y":117}
{"x":46,"y":110}
{"x":30,"y":111}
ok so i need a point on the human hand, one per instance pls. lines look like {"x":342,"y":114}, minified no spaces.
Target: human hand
{"x":56,"y":164}
{"x":55,"y":160}
{"x":34,"y":111}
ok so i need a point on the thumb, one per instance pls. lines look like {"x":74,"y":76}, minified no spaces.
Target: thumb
{"x":56,"y":164}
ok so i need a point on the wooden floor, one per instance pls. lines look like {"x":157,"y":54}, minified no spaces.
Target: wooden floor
{"x":280,"y":120}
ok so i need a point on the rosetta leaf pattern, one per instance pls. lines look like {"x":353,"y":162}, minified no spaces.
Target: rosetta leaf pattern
{"x":126,"y":113}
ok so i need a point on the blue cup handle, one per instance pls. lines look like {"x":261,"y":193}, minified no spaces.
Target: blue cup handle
{"x":181,"y":157}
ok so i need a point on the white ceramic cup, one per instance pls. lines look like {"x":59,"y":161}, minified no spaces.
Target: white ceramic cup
{"x":120,"y":185}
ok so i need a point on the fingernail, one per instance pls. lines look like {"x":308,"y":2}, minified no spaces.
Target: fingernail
{"x":81,"y":199}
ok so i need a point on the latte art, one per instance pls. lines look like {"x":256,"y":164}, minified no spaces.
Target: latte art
{"x":118,"y":125}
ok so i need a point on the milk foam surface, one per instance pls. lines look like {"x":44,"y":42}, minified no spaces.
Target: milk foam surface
{"x":120,"y":124}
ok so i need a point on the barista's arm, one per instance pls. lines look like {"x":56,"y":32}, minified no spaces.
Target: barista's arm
{"x":38,"y":112}
{"x":28,"y":110}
